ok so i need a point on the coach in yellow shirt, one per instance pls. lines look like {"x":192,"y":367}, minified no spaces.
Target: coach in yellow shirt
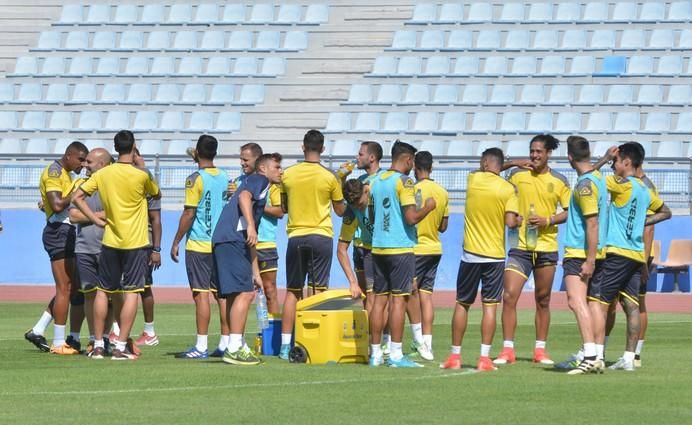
{"x":309,"y":191}
{"x":428,"y":251}
{"x":123,"y":189}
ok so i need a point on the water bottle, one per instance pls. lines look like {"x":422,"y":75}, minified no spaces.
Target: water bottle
{"x":345,"y":169}
{"x":258,"y":344}
{"x":531,"y":231}
{"x":262,"y":313}
{"x":513,"y":236}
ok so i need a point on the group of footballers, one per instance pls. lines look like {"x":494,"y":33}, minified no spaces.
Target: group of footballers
{"x":394,"y":223}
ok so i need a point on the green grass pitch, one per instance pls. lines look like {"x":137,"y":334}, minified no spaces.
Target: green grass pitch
{"x":158,"y":389}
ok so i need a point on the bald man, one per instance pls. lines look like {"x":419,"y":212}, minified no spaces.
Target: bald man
{"x":88,"y":244}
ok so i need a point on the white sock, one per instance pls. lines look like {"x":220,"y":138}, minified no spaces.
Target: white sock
{"x":58,"y":335}
{"x":396,"y":353}
{"x":417,"y":331}
{"x":456,"y":349}
{"x":75,"y":335}
{"x":640,"y":345}
{"x":116,"y":328}
{"x":42,"y":324}
{"x":235,"y":342}
{"x":375,"y":350}
{"x":100,"y":343}
{"x":286,"y":339}
{"x":600,"y":350}
{"x":590,"y":349}
{"x":628,"y":356}
{"x":149,"y":329}
{"x":223,"y":342}
{"x":508,"y":344}
{"x":120,"y":345}
{"x":201,"y":342}
{"x":485,"y":350}
{"x":428,"y":340}
{"x":540,"y":344}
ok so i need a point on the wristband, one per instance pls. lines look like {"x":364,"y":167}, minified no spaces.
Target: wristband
{"x":156,"y":249}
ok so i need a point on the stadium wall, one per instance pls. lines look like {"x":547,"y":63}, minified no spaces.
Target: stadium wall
{"x":25,"y":262}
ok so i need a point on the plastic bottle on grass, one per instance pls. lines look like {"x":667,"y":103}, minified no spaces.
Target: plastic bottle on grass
{"x":262,"y":313}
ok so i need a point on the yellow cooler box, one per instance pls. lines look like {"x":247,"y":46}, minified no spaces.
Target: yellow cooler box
{"x":331,"y":327}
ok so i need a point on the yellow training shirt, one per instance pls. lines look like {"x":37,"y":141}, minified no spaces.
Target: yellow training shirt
{"x":428,"y":228}
{"x":310,"y":188}
{"x":545,"y":191}
{"x":54,"y":178}
{"x":123,"y":189}
{"x":488,"y":198}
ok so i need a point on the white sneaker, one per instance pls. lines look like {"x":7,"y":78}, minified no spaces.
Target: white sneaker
{"x":622,"y":364}
{"x":424,"y":351}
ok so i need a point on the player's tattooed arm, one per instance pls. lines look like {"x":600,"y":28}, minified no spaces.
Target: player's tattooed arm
{"x":662,"y":214}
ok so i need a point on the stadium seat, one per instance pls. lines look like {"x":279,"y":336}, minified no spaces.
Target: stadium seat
{"x":395,"y":122}
{"x":106,"y":66}
{"x":179,"y":13}
{"x":103,"y":40}
{"x":561,"y":94}
{"x":552,"y":66}
{"x":568,"y":122}
{"x":602,"y":40}
{"x":624,"y":12}
{"x":685,"y":40}
{"x":289,"y":14}
{"x":295,"y":41}
{"x":540,"y":122}
{"x":459,"y":41}
{"x":53,"y":65}
{"x":99,"y":14}
{"x":29,"y":93}
{"x":77,"y":40}
{"x":49,"y":40}
{"x":25,"y":66}
{"x":152,"y":14}
{"x":599,"y":149}
{"x":595,"y":12}
{"x":512,"y":12}
{"x":262,"y":14}
{"x":679,"y":95}
{"x":446,"y":94}
{"x":425,"y":123}
{"x":431,"y":40}
{"x":388,"y":94}
{"x":167,"y":94}
{"x":71,"y":14}
{"x":139,"y":93}
{"x":173,"y":121}
{"x":90,"y":121}
{"x":417,"y":94}
{"x":573,"y":40}
{"x":251,"y":94}
{"x":125,"y":14}
{"x":502,"y":95}
{"x":404,"y":40}
{"x":591,"y":94}
{"x":338,"y":122}
{"x":684,"y":124}
{"x":474,"y":94}
{"x":545,"y":40}
{"x":480,"y":13}
{"x":516,"y":148}
{"x":159,"y":40}
{"x":409,"y":66}
{"x":221,"y":94}
{"x":657,"y":122}
{"x":84,"y":93}
{"x":650,"y":94}
{"x":540,"y":12}
{"x":184,"y":41}
{"x":144,"y":121}
{"x":194,"y":94}
{"x":582,"y":66}
{"x":436,"y":147}
{"x":452,"y":123}
{"x":344,"y":147}
{"x":213,"y":41}
{"x":487,"y":40}
{"x":620,"y":94}
{"x":6,"y":92}
{"x":523,"y":66}
{"x":632,"y":39}
{"x":190,"y":66}
{"x":669,"y":66}
{"x":137,"y":65}
{"x":495,"y":66}
{"x":367,"y":122}
{"x":178,"y":147}
{"x":268,"y":41}
{"x":218,"y":66}
{"x":680,"y":11}
{"x":568,"y":12}
{"x":316,"y":14}
{"x":8,"y":120}
{"x":652,"y":12}
{"x":460,"y":148}
{"x":113,"y":93}
{"x":424,"y":13}
{"x":162,"y":66}
{"x":512,"y":122}
{"x":57,"y":94}
{"x":466,"y":65}
{"x":661,"y":39}
{"x":626,"y":122}
{"x":201,"y":121}
{"x":612,"y":66}
{"x":483,"y":122}
{"x":640,"y":66}
{"x":245,"y":65}
{"x":33,"y":121}
{"x":131,"y":40}
{"x":532,"y":94}
{"x":436,"y":66}
{"x":669,"y":149}
{"x":37,"y":146}
{"x":10,"y":146}
{"x":148,"y":147}
{"x":60,"y":120}
{"x":384,"y":66}
{"x":207,"y":13}
{"x":517,"y":40}
{"x":273,"y":66}
{"x":228,"y":121}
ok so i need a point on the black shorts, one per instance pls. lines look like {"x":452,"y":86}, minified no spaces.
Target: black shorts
{"x":149,"y":278}
{"x":394,"y":273}
{"x":362,"y":262}
{"x":524,"y":262}
{"x":59,"y":240}
{"x":651,"y":268}
{"x":426,"y":270}
{"x":490,"y":275}
{"x":233,"y":268}
{"x":88,"y":272}
{"x":572,"y":267}
{"x":201,"y":274}
{"x":617,"y":277}
{"x":268,"y":259}
{"x":123,"y":270}
{"x":308,"y":256}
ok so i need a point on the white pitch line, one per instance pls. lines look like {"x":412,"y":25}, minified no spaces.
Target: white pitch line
{"x":243,"y":386}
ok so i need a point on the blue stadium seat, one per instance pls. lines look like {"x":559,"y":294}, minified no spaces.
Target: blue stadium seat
{"x":179,"y":13}
{"x":624,"y":12}
{"x":425,"y":123}
{"x":409,"y":66}
{"x":512,"y":122}
{"x":190,"y":66}
{"x":228,"y":122}
{"x":516,"y":148}
{"x":568,"y":12}
{"x":417,"y":94}
{"x":650,"y":94}
{"x":178,"y":147}
{"x":360,"y":94}
{"x":118,"y":120}
{"x":384,"y":66}
{"x":561,"y":94}
{"x":218,"y":66}
{"x":532,"y":94}
{"x":657,"y":122}
{"x":436,"y":147}
{"x":26,"y":65}
{"x":106,"y":66}
{"x":201,"y":121}
{"x":213,"y":41}
{"x":344,"y":147}
{"x":540,"y":12}
{"x":502,"y":95}
{"x":495,"y":66}
{"x":582,"y":66}
{"x":33,"y":121}
{"x":685,"y":40}
{"x":139,"y":93}
{"x":661,"y":39}
{"x":99,"y":14}
{"x":680,"y":11}
{"x":388,"y":94}
{"x":29,"y":93}
{"x":591,"y":94}
{"x":517,"y":40}
{"x":131,"y":40}
{"x":512,"y":12}
{"x":466,"y":65}
{"x":49,"y":40}
{"x":163,"y":66}
{"x":71,"y":14}
{"x":159,"y":40}
{"x":222,"y":94}
{"x":640,"y":65}
{"x":207,"y":13}
{"x":483,"y":122}
{"x":487,"y":40}
{"x":451,"y":13}
{"x":316,"y":14}
{"x":395,"y":122}
{"x":652,"y":12}
{"x":234,"y":14}
{"x":424,"y":13}
{"x":8,"y":120}
{"x":148,"y":147}
{"x":446,"y":94}
{"x":295,"y":41}
{"x":144,"y":121}
{"x":37,"y":146}
{"x":53,"y":65}
{"x":632,"y":39}
{"x":595,"y":12}
{"x":167,"y":94}
{"x":57,"y":94}
{"x":487,"y":144}
{"x":245,"y":65}
{"x":540,"y":122}
{"x":669,"y":66}
{"x":262,"y":14}
{"x":460,"y":148}
{"x":452,"y":123}
{"x":545,"y":40}
{"x":599,"y":149}
{"x":431,"y":40}
{"x":289,"y":14}
{"x":669,"y":149}
{"x":474,"y":94}
{"x":76,"y":40}
{"x":268,"y":41}
{"x":568,"y":122}
{"x":273,"y":66}
{"x":552,"y":66}
{"x":90,"y":121}
{"x":404,"y":40}
{"x":137,"y":65}
{"x":126,"y":14}
{"x":113,"y":93}
{"x":103,"y":40}
{"x":479,"y":13}
{"x":6,"y":92}
{"x":612,"y":66}
{"x":620,"y":94}
{"x":173,"y":121}
{"x":367,"y":122}
{"x":10,"y":146}
{"x":251,"y":94}
{"x":602,"y":40}
{"x":684,"y":124}
{"x":573,"y":40}
{"x":185,"y":40}
{"x":436,"y":66}
{"x":523,"y":66}
{"x":84,"y":93}
{"x":60,"y":120}
{"x":338,"y":122}
{"x":626,"y":122}
{"x":459,"y":40}
{"x":194,"y":94}
{"x":679,"y":95}
{"x":152,"y":14}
